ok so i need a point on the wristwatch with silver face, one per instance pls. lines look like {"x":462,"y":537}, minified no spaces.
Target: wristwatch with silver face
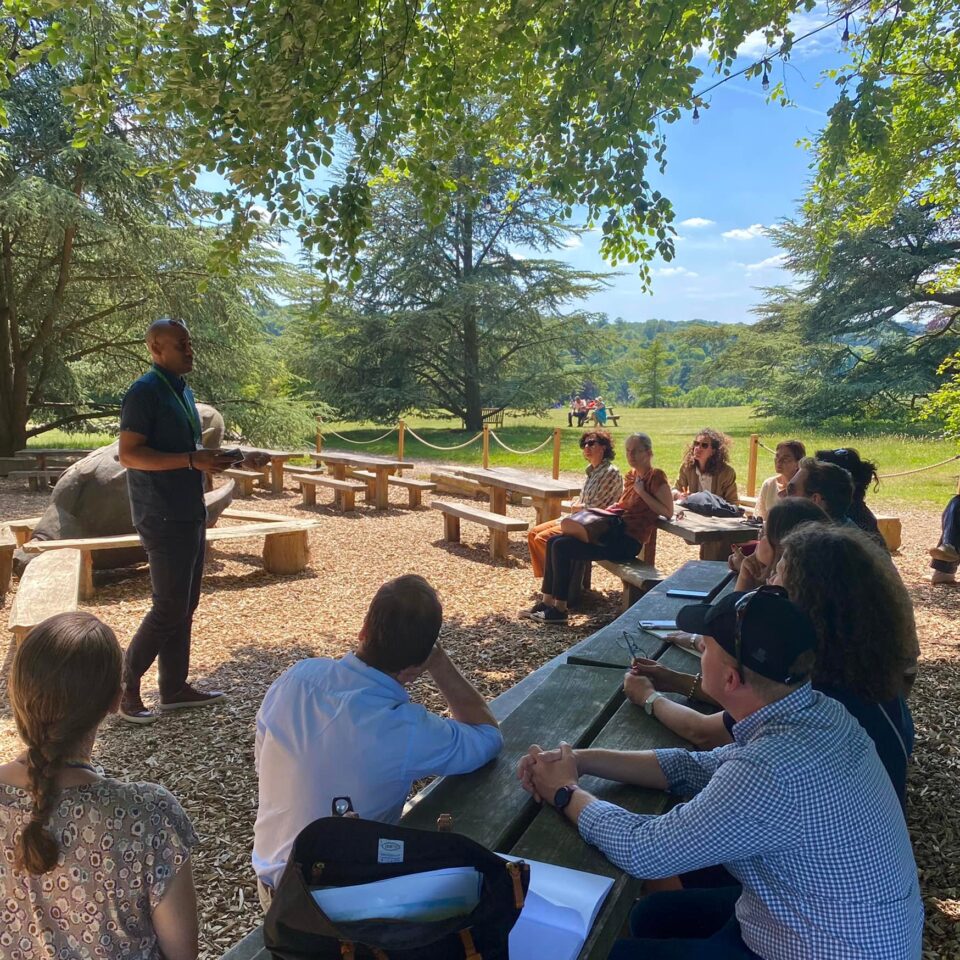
{"x":650,"y":701}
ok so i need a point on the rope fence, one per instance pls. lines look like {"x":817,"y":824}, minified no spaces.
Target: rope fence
{"x":433,"y":446}
{"x":521,"y":453}
{"x":339,"y":436}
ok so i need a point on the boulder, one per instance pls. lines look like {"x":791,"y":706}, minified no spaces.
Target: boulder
{"x":90,"y":500}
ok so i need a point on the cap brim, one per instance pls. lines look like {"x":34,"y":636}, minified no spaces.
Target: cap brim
{"x":692,"y":618}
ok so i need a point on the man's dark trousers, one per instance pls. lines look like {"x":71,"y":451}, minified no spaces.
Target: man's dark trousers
{"x":950,"y":535}
{"x":175,"y":550}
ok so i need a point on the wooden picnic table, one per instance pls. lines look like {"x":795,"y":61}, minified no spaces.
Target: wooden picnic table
{"x":581,"y":702}
{"x":694,"y":528}
{"x":41,"y":455}
{"x":383,"y":467}
{"x":277,"y":459}
{"x":547,"y":494}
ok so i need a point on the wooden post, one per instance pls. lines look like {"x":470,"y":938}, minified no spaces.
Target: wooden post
{"x":286,"y":552}
{"x":486,"y":446}
{"x":319,"y":438}
{"x":556,"y":453}
{"x":752,"y":465}
{"x":401,"y":429}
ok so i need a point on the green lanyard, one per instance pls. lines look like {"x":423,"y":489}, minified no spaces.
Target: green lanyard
{"x":194,"y":421}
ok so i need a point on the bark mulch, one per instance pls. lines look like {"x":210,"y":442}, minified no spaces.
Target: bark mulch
{"x":251,"y":626}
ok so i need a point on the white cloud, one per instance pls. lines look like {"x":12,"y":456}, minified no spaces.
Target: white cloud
{"x":674,"y":272}
{"x":696,"y":223}
{"x":771,"y":263}
{"x":572,"y":242}
{"x":745,"y":233}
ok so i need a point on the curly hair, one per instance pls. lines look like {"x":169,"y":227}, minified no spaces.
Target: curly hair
{"x":63,"y":679}
{"x":866,"y":635}
{"x":721,"y":450}
{"x":862,"y":471}
{"x":603,"y":438}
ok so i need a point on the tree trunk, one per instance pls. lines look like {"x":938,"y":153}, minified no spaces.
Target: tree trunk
{"x":472,"y":402}
{"x":13,"y":426}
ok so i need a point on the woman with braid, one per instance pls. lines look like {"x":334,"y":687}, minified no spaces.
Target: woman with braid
{"x":90,"y":866}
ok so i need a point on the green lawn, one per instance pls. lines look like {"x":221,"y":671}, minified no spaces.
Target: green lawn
{"x":671,"y":430}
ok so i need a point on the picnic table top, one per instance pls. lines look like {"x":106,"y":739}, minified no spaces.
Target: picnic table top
{"x":360,"y":459}
{"x":39,"y":452}
{"x":582,"y":703}
{"x":507,"y":478}
{"x":694,"y":528}
{"x":277,"y":454}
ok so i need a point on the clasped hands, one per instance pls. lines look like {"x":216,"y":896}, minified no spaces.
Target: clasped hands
{"x":543,"y":772}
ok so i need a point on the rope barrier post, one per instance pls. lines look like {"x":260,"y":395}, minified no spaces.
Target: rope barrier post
{"x":486,"y":446}
{"x":401,"y":429}
{"x":752,"y":465}
{"x":319,"y":441}
{"x":556,"y":453}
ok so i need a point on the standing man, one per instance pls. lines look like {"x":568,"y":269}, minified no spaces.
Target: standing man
{"x":160,"y":445}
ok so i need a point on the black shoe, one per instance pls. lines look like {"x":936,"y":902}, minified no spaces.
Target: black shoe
{"x":551,"y":616}
{"x":132,"y":709}
{"x":189,"y":697}
{"x":536,"y":608}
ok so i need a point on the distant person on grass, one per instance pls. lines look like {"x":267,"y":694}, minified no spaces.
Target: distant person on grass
{"x":797,"y":807}
{"x":89,"y":866}
{"x":346,"y":728}
{"x":602,"y":488}
{"x":161,"y":447}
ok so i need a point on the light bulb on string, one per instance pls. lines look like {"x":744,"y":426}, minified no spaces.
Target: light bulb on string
{"x":765,"y":82}
{"x":696,"y":113}
{"x":846,"y":29}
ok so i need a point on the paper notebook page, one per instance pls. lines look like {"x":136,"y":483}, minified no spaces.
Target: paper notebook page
{"x":564,"y":897}
{"x":531,"y":940}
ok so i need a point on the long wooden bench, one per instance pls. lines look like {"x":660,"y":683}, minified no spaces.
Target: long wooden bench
{"x":499,"y":525}
{"x":33,"y":477}
{"x":415,"y":488}
{"x":244,"y":480}
{"x":49,"y":585}
{"x":285,"y":546}
{"x":637,"y":579}
{"x":345,"y":490}
{"x":8,"y":543}
{"x":22,"y":530}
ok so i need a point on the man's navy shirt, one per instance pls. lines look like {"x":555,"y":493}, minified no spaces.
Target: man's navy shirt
{"x":151,"y":409}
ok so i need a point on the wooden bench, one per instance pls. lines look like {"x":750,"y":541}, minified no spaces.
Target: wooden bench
{"x":286,"y":547}
{"x":345,"y":490}
{"x":415,"y":488}
{"x":291,"y":468}
{"x":33,"y":477}
{"x":49,"y":585}
{"x":244,"y":479}
{"x":22,"y":530}
{"x":8,"y":543}
{"x":637,"y":579}
{"x":499,"y":525}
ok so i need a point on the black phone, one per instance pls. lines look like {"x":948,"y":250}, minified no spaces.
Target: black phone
{"x":689,"y":594}
{"x":236,"y":454}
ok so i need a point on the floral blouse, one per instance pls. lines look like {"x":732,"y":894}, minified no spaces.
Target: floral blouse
{"x":603,"y":485}
{"x":120,"y":844}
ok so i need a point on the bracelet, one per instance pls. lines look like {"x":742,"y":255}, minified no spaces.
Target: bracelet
{"x":695,"y":687}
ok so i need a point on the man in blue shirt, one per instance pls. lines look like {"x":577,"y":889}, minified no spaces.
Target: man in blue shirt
{"x":160,"y":445}
{"x":347,"y":728}
{"x":798,"y":809}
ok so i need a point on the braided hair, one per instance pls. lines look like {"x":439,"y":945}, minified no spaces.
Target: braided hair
{"x":64,"y":677}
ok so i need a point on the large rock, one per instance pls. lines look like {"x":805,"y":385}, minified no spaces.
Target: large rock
{"x":90,"y":500}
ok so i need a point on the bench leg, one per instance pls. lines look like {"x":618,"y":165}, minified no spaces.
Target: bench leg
{"x":86,"y":575}
{"x":34,"y":484}
{"x":498,"y":544}
{"x":309,"y":492}
{"x":415,"y":497}
{"x":6,"y":568}
{"x":451,"y":528}
{"x":286,"y":552}
{"x":631,"y":594}
{"x":348,"y":499}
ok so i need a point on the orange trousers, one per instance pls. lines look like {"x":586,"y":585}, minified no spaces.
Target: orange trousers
{"x":537,"y":538}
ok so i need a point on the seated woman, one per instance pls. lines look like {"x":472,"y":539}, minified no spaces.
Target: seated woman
{"x":866,"y":644}
{"x":863,"y":473}
{"x":603,"y":488}
{"x":600,"y":413}
{"x":786,"y":461}
{"x":118,"y":853}
{"x":646,"y":495}
{"x":756,"y":569}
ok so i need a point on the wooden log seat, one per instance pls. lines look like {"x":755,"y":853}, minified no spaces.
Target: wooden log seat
{"x":49,"y":585}
{"x":500,"y":526}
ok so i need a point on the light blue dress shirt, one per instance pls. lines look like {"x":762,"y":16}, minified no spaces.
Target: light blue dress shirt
{"x":335,"y":728}
{"x":801,"y":811}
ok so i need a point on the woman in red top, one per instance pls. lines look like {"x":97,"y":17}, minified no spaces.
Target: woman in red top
{"x":646,"y":495}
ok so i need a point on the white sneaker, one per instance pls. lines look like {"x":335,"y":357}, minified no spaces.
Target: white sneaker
{"x":941,"y":576}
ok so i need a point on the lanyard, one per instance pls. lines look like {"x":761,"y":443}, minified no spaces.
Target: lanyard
{"x":194,"y":421}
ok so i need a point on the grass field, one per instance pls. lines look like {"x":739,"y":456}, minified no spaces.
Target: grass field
{"x":671,"y":431}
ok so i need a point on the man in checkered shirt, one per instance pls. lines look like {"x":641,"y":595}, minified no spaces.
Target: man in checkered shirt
{"x":798,"y":809}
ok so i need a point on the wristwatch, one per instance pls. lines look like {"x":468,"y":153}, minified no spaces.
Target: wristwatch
{"x":650,"y":701}
{"x":562,"y":797}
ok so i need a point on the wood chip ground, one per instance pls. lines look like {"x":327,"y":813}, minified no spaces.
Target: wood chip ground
{"x":251,"y":626}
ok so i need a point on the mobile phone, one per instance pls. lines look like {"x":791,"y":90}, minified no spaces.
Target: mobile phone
{"x":689,"y":594}
{"x":235,"y":455}
{"x":658,"y":624}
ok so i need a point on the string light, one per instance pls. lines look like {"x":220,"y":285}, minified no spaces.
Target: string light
{"x":765,"y":82}
{"x":696,"y":113}
{"x":846,"y":29}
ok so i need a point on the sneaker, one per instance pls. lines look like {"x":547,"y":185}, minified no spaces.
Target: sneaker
{"x":944,"y":552}
{"x":551,"y":616}
{"x":536,"y":608}
{"x":941,"y":576}
{"x":132,"y":708}
{"x":189,"y":697}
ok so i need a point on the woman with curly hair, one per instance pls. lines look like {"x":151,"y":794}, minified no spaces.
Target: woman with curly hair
{"x":863,"y":473}
{"x":602,"y":488}
{"x":866,"y":644}
{"x":706,"y":466}
{"x":120,"y":850}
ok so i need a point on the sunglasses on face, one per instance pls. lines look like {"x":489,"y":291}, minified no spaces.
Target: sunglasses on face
{"x":704,"y":444}
{"x":742,"y":605}
{"x":591,"y":443}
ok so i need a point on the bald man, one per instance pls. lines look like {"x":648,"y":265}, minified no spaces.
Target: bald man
{"x":160,"y":445}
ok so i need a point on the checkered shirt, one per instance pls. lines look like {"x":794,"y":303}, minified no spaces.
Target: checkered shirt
{"x":800,"y":810}
{"x":603,"y":487}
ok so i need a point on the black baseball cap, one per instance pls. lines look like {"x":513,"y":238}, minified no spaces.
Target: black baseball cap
{"x":774,"y":633}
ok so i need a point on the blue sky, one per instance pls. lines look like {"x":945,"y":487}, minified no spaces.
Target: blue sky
{"x":735,"y":172}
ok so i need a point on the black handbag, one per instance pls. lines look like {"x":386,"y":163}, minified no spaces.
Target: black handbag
{"x":710,"y":505}
{"x":592,"y":524}
{"x":346,"y":851}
